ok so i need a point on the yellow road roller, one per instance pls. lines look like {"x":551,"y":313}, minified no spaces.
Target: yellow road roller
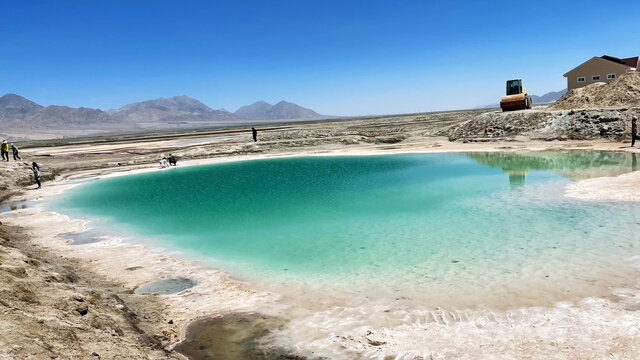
{"x":517,"y":97}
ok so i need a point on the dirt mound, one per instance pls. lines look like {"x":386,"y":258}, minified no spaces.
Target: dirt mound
{"x":612,"y":124}
{"x":624,"y":92}
{"x":586,"y":125}
{"x":499,"y":124}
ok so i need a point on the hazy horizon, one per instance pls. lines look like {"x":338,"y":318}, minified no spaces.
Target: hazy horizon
{"x":349,"y":59}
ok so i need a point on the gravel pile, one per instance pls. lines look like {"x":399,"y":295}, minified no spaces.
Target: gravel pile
{"x":500,"y":124}
{"x":622,"y":93}
{"x":585,"y":125}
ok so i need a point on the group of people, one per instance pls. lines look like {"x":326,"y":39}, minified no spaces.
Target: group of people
{"x":168,"y":161}
{"x":4,"y":149}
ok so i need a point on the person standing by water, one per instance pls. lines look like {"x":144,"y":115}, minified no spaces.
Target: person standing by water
{"x":255,"y":134}
{"x":36,"y":173}
{"x":16,"y":155}
{"x":634,"y":128}
{"x":4,"y":149}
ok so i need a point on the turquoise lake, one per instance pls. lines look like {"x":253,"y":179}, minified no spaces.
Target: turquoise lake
{"x":401,"y":223}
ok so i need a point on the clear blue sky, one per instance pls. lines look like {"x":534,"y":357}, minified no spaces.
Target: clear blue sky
{"x":336,"y":57}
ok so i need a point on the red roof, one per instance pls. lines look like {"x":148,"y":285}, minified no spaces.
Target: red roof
{"x":631,"y":62}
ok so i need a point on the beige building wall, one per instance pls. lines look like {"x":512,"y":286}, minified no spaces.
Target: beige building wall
{"x":594,"y":67}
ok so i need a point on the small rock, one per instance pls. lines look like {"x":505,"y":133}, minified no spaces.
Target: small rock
{"x":374,"y":342}
{"x":170,"y":322}
{"x":95,"y":354}
{"x":83,"y":309}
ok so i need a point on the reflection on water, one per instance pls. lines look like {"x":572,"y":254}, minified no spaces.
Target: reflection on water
{"x":575,"y":165}
{"x":517,"y":178}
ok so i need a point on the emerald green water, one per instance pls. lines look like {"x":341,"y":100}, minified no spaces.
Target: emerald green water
{"x":411,"y":221}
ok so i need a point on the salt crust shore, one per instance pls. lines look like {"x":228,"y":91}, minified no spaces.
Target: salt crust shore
{"x":625,"y":187}
{"x":594,"y":328}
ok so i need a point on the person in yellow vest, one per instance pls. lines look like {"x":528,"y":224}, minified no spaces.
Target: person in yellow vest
{"x":4,"y":149}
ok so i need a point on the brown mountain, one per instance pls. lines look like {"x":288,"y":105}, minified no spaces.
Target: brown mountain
{"x":63,"y":116}
{"x":20,"y":112}
{"x":174,"y":109}
{"x":281,"y":111}
{"x":12,"y":105}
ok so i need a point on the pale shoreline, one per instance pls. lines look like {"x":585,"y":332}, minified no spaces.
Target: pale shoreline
{"x":213,"y":286}
{"x":625,"y":187}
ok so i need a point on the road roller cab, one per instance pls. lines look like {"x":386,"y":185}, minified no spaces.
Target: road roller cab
{"x":517,"y":97}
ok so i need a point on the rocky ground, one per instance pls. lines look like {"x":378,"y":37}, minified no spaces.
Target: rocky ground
{"x":51,"y":308}
{"x":612,"y":124}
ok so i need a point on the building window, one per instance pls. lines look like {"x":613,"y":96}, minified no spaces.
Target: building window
{"x":611,"y":76}
{"x":581,"y":79}
{"x":595,"y":78}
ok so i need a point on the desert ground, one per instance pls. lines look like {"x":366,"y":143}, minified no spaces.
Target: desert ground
{"x":58,"y":302}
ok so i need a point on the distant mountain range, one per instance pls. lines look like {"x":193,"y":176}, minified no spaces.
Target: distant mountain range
{"x":17,"y":111}
{"x":283,"y":110}
{"x":170,"y":110}
{"x":547,"y":98}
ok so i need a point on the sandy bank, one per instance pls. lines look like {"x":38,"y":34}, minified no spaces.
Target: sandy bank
{"x":624,"y":187}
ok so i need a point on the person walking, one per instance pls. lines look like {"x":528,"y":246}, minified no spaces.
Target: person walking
{"x":255,"y":134}
{"x":634,"y":128}
{"x":4,"y":149}
{"x":36,"y":173}
{"x":16,"y":155}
